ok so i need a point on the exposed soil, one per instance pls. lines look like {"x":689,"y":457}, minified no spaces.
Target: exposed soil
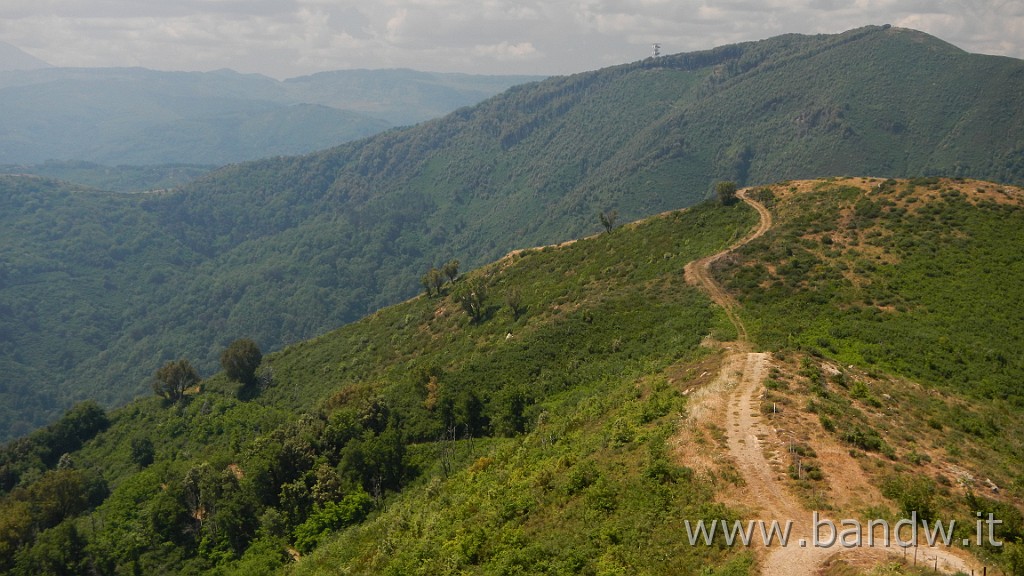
{"x":759,"y":488}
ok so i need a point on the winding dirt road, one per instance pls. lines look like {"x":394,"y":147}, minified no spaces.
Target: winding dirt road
{"x":698,"y":272}
{"x":763,"y":491}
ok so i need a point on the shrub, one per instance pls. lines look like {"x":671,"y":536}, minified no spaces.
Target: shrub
{"x":912,"y":493}
{"x":332,"y":516}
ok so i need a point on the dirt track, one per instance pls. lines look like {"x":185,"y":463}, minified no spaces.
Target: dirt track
{"x":698,"y":272}
{"x":764,"y":492}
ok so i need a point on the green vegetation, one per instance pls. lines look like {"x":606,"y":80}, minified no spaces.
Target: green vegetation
{"x":99,"y":290}
{"x":726,"y":193}
{"x":522,"y":417}
{"x":608,"y":219}
{"x":919,"y":278}
{"x":173,"y":379}
{"x":240,"y":361}
{"x":114,"y":178}
{"x":534,"y":439}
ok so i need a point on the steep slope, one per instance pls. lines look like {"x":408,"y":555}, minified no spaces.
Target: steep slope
{"x":291,"y":247}
{"x":822,"y":228}
{"x":908,"y":261}
{"x":122,"y":178}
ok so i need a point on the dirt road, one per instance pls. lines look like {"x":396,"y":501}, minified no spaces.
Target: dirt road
{"x":698,"y":272}
{"x":764,"y":492}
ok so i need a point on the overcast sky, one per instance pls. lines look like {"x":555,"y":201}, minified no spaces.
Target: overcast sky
{"x":286,"y":38}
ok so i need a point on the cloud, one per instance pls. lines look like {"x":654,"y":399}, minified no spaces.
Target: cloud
{"x":285,"y":38}
{"x":504,"y":51}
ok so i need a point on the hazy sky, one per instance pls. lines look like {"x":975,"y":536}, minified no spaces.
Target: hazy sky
{"x":285,"y":38}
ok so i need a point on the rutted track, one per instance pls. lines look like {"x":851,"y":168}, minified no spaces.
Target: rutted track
{"x":743,"y":372}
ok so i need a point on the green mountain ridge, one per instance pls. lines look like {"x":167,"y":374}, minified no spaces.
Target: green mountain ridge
{"x":283,"y":249}
{"x":552,"y":433}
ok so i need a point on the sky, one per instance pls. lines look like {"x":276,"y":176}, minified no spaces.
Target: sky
{"x":288,"y":38}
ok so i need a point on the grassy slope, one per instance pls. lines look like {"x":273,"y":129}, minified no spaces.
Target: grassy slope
{"x":604,"y":318}
{"x":936,"y":450}
{"x":919,"y":279}
{"x":894,"y":310}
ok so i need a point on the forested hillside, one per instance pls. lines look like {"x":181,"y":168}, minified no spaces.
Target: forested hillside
{"x":567,"y":409}
{"x":283,"y":249}
{"x":121,"y":178}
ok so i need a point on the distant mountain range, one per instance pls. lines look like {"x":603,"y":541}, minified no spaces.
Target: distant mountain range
{"x":140,"y":117}
{"x":97,"y":290}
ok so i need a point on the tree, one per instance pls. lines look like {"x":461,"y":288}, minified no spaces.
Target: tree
{"x":470,"y":411}
{"x":78,"y":425}
{"x":59,"y":550}
{"x":330,"y":517}
{"x":451,"y":270}
{"x":913,"y":494}
{"x":726,"y":192}
{"x":240,"y":361}
{"x":608,"y":219}
{"x":472,"y":296}
{"x":432,"y":281}
{"x":174,"y":378}
{"x":514,"y":300}
{"x":142,"y":451}
{"x":509,"y":407}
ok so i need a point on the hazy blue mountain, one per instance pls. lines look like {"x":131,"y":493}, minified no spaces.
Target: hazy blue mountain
{"x":14,"y":58}
{"x":137,"y":116}
{"x":401,"y":97}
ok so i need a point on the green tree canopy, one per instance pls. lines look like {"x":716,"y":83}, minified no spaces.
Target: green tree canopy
{"x":432,"y":281}
{"x":451,"y":270}
{"x":608,"y":219}
{"x":240,"y":361}
{"x":726,"y":192}
{"x":174,"y":378}
{"x":472,"y":296}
